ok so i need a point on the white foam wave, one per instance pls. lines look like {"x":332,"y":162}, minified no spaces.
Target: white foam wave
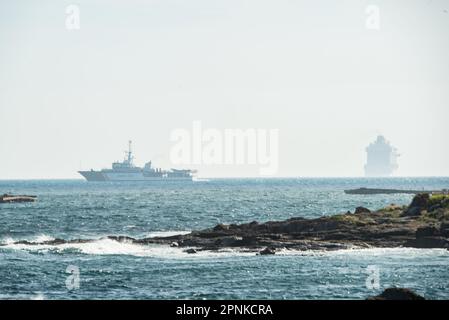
{"x":34,"y":239}
{"x":112,"y":247}
{"x":166,"y":233}
{"x":107,"y":246}
{"x":38,"y":296}
{"x":7,"y":240}
{"x":41,"y":238}
{"x":405,"y":253}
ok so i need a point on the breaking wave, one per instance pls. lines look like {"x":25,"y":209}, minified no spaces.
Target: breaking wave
{"x":107,"y":246}
{"x":166,"y":233}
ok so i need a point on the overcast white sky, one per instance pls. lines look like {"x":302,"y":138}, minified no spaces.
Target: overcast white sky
{"x":140,"y":69}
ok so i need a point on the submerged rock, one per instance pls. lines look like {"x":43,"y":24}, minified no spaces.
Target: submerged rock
{"x":267,"y":251}
{"x":123,"y":239}
{"x":191,"y":251}
{"x":397,"y":294}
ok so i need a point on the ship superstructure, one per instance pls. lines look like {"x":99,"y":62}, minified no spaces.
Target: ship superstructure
{"x":127,"y":171}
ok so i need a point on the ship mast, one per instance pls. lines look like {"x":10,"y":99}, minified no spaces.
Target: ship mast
{"x":129,"y":153}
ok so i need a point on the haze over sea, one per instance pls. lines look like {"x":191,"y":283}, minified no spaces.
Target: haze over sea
{"x":73,"y":209}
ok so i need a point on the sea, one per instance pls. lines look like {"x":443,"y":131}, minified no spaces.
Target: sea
{"x":106,"y":269}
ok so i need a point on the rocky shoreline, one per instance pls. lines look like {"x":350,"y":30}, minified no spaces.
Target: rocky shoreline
{"x":422,"y":224}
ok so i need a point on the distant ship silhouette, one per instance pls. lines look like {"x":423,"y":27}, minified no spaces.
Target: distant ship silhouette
{"x":381,"y":158}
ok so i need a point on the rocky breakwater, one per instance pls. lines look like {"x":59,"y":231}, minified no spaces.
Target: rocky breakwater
{"x":422,"y":224}
{"x":10,"y":198}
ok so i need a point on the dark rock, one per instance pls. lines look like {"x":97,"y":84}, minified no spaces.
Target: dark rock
{"x":267,"y":251}
{"x":221,"y":227}
{"x":362,"y":210}
{"x":444,"y":229}
{"x":413,"y":212}
{"x":191,"y":251}
{"x":420,"y":200}
{"x":397,"y":294}
{"x":293,"y":226}
{"x":232,"y":241}
{"x":427,"y":231}
{"x":444,"y":225}
{"x":392,"y":232}
{"x":445,"y":203}
{"x":419,"y":203}
{"x":248,"y":241}
{"x":428,"y":243}
{"x":56,"y":241}
{"x":121,"y":238}
{"x":435,"y":207}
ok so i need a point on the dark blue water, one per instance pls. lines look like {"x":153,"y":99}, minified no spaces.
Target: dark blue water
{"x":107,"y":269}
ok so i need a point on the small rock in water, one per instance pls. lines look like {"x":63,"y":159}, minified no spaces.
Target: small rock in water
{"x":267,"y":251}
{"x":397,"y":294}
{"x":174,"y":244}
{"x":190,"y":251}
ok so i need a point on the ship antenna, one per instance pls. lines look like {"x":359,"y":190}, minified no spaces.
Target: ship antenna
{"x":130,"y":158}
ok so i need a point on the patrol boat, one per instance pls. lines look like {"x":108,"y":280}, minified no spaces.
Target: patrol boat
{"x":127,"y":171}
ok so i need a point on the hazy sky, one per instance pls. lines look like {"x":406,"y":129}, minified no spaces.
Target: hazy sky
{"x":71,"y":99}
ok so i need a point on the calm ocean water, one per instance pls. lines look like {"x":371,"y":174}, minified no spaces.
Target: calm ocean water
{"x":72,"y":209}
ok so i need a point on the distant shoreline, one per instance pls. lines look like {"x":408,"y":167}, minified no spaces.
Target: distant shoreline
{"x":255,"y":177}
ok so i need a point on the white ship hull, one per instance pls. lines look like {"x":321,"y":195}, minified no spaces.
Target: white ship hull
{"x":126,"y":176}
{"x":127,"y":171}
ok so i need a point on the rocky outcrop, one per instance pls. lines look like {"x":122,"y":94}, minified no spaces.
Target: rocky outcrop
{"x":397,"y":294}
{"x":389,"y":227}
{"x":430,"y":237}
{"x":420,"y":203}
{"x":392,"y":226}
